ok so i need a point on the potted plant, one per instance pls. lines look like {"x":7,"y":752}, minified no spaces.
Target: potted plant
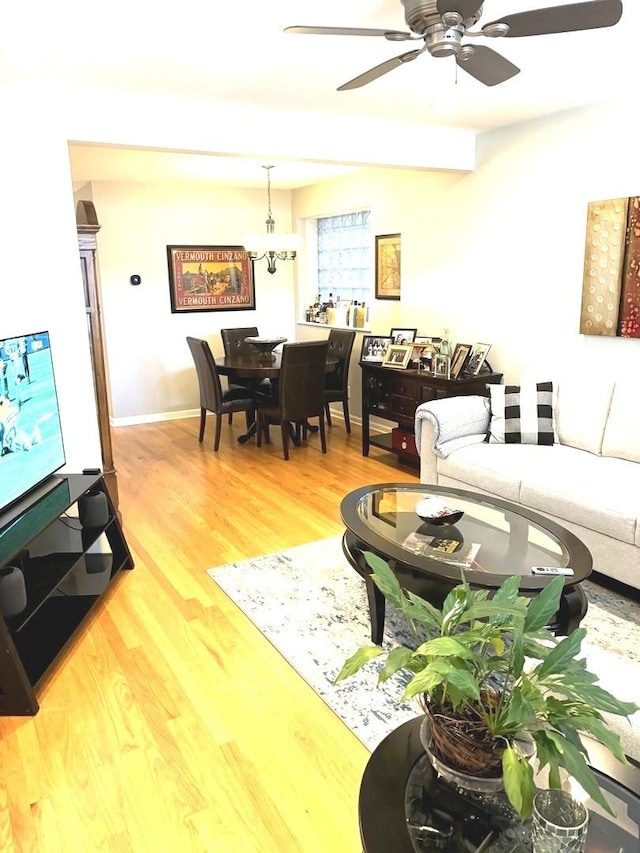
{"x":490,"y":671}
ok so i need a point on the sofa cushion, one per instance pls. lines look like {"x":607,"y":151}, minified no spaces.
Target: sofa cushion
{"x":598,"y":493}
{"x":495,"y":468}
{"x":521,"y":414}
{"x":582,"y":408}
{"x":622,"y":432}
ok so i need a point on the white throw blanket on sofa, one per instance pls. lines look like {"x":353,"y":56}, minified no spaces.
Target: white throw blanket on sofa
{"x":453,"y":421}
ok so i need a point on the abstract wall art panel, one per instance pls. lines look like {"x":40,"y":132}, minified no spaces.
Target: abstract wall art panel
{"x":603,"y":266}
{"x":629,"y":323}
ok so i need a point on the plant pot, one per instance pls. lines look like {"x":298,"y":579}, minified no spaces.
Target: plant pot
{"x":462,"y":741}
{"x":468,"y":781}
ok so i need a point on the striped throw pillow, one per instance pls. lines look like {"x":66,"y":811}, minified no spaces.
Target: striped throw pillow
{"x":521,"y":414}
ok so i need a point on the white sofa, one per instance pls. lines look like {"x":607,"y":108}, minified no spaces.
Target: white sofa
{"x":588,"y":480}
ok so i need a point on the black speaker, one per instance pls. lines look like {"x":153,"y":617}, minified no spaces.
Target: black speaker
{"x":13,"y":592}
{"x":93,"y":509}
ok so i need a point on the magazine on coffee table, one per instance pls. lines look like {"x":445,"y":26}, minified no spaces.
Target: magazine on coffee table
{"x":449,"y":551}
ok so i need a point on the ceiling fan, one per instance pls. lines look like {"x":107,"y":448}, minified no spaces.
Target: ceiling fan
{"x":442,"y":25}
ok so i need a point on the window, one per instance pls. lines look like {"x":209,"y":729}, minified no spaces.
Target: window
{"x":345,"y":267}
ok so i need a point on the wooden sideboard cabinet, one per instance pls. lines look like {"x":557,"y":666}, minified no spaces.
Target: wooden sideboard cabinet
{"x":394,"y":395}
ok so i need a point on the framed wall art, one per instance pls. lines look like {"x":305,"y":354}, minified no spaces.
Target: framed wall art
{"x":388,"y":266}
{"x":374,"y":348}
{"x":397,"y":356}
{"x":210,"y":278}
{"x":459,"y":359}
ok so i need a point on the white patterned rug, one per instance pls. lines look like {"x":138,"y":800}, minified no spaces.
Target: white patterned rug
{"x":312,"y":606}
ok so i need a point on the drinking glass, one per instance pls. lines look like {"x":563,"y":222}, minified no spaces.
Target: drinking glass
{"x":559,"y":823}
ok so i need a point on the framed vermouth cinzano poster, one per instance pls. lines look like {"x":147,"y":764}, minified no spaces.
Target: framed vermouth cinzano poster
{"x":210,"y":278}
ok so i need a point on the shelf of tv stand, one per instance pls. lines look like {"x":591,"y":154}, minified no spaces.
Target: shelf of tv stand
{"x":392,"y":394}
{"x":67,"y":569}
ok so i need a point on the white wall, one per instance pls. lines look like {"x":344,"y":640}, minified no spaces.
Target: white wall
{"x":512,"y":241}
{"x":41,"y":281}
{"x":150,"y":367}
{"x":495,"y":254}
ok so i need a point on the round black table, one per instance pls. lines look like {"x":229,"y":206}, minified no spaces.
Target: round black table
{"x":404,"y":805}
{"x":255,"y":366}
{"x":381,"y":518}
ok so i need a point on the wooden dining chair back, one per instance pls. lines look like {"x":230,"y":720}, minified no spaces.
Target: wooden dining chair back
{"x":212,"y":397}
{"x":233,"y":340}
{"x":336,"y":388}
{"x":234,"y":343}
{"x":300,"y":393}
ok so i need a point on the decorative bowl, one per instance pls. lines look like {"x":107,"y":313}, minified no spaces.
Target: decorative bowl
{"x":434,"y":510}
{"x":265,"y":346}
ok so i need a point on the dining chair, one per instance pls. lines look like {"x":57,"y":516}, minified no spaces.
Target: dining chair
{"x":300,"y":395}
{"x":212,"y":397}
{"x":234,"y":343}
{"x":336,"y":388}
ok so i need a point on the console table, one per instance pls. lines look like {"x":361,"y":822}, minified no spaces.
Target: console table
{"x":394,"y":395}
{"x":67,"y":567}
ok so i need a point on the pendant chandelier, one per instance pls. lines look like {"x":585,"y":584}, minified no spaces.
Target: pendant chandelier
{"x":274,"y":247}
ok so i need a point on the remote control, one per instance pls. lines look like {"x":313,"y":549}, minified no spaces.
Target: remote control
{"x":552,"y":570}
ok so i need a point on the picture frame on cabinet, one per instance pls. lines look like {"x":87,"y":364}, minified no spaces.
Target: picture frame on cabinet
{"x":403,"y":336}
{"x":477,"y":358}
{"x":441,"y":366}
{"x":459,"y":359}
{"x":397,"y":356}
{"x":374,"y":348}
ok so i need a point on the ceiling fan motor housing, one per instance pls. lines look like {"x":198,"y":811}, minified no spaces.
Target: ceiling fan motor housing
{"x":420,"y":15}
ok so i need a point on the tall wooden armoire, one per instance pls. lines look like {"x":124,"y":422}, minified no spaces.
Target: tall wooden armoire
{"x":88,"y":227}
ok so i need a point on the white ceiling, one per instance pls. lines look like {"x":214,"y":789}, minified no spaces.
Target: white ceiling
{"x":236,"y":50}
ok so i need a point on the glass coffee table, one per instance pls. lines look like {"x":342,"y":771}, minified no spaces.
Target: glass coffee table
{"x":492,"y":540}
{"x":405,"y":807}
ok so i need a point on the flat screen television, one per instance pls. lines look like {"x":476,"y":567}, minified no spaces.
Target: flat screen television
{"x":31,"y":446}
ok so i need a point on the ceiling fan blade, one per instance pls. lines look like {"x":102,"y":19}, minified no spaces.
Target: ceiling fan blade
{"x":466,"y":8}
{"x":391,"y":35}
{"x":486,"y":65}
{"x":562,"y":19}
{"x":384,"y":67}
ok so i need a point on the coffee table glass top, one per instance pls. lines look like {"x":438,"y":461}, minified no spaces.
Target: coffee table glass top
{"x":493,"y":537}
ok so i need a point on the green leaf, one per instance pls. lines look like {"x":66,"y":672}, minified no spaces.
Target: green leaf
{"x":484,"y":609}
{"x":396,"y":660}
{"x":519,"y":712}
{"x":357,"y":661}
{"x":519,"y":787}
{"x":562,"y":655}
{"x":384,"y":578}
{"x":545,"y":605}
{"x":444,"y":647}
{"x":455,"y":605}
{"x":518,"y":656}
{"x":508,"y":592}
{"x":441,"y":672}
{"x":576,"y":765}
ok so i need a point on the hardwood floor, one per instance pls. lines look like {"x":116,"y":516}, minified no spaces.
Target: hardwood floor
{"x":172,"y":724}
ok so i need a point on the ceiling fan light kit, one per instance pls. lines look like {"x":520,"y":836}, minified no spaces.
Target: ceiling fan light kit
{"x":443,"y":24}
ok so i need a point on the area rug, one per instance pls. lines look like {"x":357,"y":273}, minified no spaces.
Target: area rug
{"x":312,"y":607}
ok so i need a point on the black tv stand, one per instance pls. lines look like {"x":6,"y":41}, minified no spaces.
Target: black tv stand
{"x":67,"y":570}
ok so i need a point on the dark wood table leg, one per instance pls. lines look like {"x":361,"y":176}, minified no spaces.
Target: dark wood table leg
{"x":573,"y":609}
{"x":375,"y":598}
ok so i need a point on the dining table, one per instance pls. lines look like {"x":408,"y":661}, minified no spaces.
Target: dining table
{"x":253,"y":366}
